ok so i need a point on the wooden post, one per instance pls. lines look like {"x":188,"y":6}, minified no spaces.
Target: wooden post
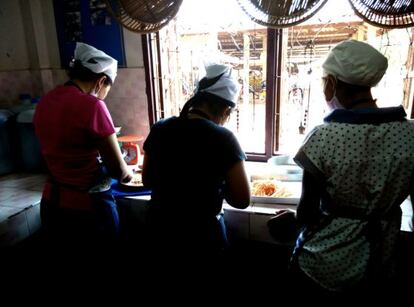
{"x":246,"y":68}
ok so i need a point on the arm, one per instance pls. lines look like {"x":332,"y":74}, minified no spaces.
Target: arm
{"x":309,"y":204}
{"x":111,"y":155}
{"x":237,"y":186}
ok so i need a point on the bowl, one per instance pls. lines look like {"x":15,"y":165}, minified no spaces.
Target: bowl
{"x":280,"y":160}
{"x":284,"y":167}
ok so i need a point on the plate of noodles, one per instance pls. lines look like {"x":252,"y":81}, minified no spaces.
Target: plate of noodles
{"x":275,"y":191}
{"x":134,"y":184}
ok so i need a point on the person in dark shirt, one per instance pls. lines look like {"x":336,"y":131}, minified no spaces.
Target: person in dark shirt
{"x":191,"y":164}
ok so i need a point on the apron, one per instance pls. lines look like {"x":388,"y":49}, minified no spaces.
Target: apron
{"x":373,"y":234}
{"x":180,"y":233}
{"x":75,"y":216}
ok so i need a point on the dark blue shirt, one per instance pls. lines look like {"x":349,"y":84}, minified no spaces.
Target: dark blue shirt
{"x":190,"y":158}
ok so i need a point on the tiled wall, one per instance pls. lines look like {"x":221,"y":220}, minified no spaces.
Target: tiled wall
{"x":127,"y":101}
{"x":33,"y":82}
{"x":13,"y":83}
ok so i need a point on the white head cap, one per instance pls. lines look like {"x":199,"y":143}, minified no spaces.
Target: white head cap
{"x":96,"y":60}
{"x":225,"y":87}
{"x":356,"y":63}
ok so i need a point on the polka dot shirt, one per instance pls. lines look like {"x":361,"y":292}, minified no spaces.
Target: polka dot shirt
{"x":366,"y":166}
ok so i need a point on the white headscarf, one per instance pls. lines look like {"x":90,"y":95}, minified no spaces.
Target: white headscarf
{"x":356,"y":62}
{"x":226,"y":87}
{"x":96,"y":60}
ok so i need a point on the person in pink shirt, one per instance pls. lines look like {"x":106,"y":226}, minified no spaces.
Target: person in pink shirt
{"x":79,"y":144}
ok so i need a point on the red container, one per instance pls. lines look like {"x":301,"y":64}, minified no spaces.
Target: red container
{"x":133,"y":153}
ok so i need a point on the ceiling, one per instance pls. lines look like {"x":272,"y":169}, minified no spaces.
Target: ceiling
{"x":302,"y":40}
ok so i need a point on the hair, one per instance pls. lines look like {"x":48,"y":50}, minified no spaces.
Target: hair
{"x":213,"y":103}
{"x":80,"y":72}
{"x":205,"y":82}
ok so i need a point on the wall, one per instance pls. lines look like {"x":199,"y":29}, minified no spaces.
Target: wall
{"x":13,"y":51}
{"x":30,"y":63}
{"x":127,"y":100}
{"x":29,"y":56}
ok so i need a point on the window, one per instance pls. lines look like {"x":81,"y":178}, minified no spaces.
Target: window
{"x":279,"y":70}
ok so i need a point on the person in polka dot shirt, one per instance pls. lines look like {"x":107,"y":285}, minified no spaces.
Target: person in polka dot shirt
{"x":358,"y":169}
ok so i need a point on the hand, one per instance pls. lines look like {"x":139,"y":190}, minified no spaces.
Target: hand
{"x":283,"y":226}
{"x":126,"y":177}
{"x":284,"y":211}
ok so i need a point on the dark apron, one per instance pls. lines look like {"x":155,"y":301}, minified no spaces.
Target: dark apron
{"x":75,"y":217}
{"x":181,"y":233}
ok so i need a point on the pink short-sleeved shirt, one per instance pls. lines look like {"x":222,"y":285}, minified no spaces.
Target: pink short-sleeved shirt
{"x":69,"y":124}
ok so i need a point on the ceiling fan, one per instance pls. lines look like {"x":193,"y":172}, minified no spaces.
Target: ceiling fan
{"x":385,"y":13}
{"x":143,"y":16}
{"x":280,"y":14}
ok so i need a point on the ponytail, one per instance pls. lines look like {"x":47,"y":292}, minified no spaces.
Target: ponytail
{"x":188,"y":105}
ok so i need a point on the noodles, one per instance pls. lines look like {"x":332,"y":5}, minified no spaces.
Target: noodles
{"x":136,"y":181}
{"x":269,"y":188}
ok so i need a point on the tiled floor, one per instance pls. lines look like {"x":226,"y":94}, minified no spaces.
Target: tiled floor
{"x":19,"y":191}
{"x":20,"y":195}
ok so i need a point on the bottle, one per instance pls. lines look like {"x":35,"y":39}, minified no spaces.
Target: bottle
{"x":25,"y":99}
{"x":35,"y":100}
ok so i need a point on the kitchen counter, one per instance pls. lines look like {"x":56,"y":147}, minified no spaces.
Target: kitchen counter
{"x":251,"y":223}
{"x":20,"y":196}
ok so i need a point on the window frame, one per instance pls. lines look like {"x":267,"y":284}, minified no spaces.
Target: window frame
{"x":153,"y":68}
{"x":273,"y":62}
{"x":147,"y":53}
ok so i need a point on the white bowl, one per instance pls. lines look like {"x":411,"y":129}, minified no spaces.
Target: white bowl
{"x":279,"y":160}
{"x":284,"y":167}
